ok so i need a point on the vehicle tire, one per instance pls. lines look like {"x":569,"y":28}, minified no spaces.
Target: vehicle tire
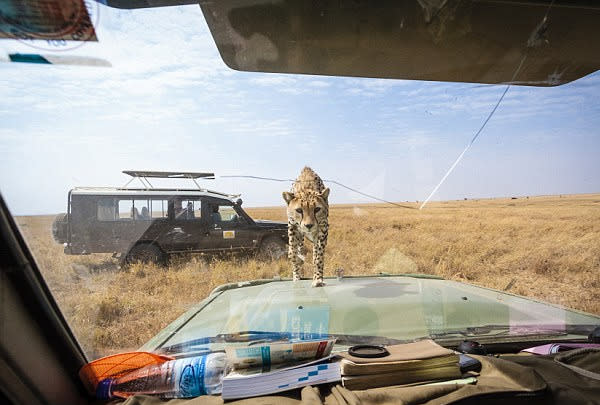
{"x":145,"y":253}
{"x":272,"y":248}
{"x":59,"y":228}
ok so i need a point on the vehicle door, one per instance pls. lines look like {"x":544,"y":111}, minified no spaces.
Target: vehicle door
{"x":90,"y":231}
{"x":131,"y":221}
{"x":187,"y":229}
{"x":106,"y":214}
{"x":151,"y":218}
{"x":228,"y":229}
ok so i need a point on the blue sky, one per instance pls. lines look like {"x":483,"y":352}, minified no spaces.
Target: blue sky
{"x":170,"y":103}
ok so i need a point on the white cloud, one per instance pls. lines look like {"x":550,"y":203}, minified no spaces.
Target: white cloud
{"x":274,"y":80}
{"x":169,"y":102}
{"x":319,"y":83}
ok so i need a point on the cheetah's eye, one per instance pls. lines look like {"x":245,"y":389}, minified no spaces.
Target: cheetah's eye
{"x":317,"y":209}
{"x":299,"y":210}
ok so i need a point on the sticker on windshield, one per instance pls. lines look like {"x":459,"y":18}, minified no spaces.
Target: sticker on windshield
{"x":52,"y":20}
{"x":307,"y":323}
{"x":228,"y":234}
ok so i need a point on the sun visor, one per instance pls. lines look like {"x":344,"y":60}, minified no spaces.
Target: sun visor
{"x":540,"y":43}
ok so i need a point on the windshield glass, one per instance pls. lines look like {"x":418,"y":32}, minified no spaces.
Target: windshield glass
{"x":372,"y":310}
{"x":483,"y":200}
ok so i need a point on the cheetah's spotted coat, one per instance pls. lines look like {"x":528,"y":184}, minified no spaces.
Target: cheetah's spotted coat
{"x":307,"y":212}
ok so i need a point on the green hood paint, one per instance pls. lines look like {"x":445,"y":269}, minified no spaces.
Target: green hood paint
{"x":404,"y":307}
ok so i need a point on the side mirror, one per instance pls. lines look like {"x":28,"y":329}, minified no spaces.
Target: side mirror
{"x":239,"y":202}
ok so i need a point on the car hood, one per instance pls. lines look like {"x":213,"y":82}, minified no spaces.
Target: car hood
{"x":263,"y":223}
{"x":392,"y":307}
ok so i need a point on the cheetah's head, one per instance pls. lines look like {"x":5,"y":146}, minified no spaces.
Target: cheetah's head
{"x":307,"y":210}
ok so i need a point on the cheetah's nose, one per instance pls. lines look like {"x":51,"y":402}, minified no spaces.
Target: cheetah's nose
{"x":308,"y":225}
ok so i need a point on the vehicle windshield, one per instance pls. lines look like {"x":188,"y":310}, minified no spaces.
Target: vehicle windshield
{"x":373,"y":310}
{"x":442,"y":209}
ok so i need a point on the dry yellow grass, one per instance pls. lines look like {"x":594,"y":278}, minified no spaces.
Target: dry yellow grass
{"x":546,"y":247}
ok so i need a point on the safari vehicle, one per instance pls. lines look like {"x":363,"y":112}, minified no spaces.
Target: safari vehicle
{"x":148,"y":224}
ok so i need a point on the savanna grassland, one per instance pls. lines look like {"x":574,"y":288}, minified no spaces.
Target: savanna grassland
{"x":543,"y":247}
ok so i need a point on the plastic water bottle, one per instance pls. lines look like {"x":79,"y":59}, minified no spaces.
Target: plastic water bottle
{"x":182,"y":378}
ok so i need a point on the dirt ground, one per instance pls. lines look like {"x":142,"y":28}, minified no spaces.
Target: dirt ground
{"x":543,"y":247}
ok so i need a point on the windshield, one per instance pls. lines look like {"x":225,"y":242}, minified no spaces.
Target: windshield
{"x":373,"y":310}
{"x":472,"y":210}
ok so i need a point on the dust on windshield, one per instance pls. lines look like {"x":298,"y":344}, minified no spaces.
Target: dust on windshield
{"x":428,"y":179}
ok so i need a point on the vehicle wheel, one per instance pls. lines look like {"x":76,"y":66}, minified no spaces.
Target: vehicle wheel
{"x":145,"y":253}
{"x":272,"y":248}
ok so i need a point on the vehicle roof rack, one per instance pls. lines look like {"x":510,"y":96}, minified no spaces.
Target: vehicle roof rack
{"x":169,"y":175}
{"x":142,"y":176}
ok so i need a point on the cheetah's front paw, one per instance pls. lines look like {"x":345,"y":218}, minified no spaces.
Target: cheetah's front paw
{"x":318,"y":282}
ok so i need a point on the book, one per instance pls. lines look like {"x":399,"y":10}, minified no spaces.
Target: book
{"x":402,"y":377}
{"x":424,"y":354}
{"x":282,"y":352}
{"x":246,"y":383}
{"x":417,"y":362}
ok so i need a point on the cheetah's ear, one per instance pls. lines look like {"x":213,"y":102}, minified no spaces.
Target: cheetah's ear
{"x":287,"y":196}
{"x":325,"y":193}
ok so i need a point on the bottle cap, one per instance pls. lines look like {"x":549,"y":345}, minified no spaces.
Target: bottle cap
{"x":103,"y":389}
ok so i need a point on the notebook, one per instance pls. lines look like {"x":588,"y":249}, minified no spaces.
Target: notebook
{"x":246,"y":383}
{"x":409,"y":356}
{"x":361,"y":382}
{"x":407,"y":363}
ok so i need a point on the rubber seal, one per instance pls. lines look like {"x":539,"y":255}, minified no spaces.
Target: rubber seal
{"x":368,"y":351}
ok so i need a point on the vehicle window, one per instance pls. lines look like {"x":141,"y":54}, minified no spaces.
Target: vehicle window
{"x":107,"y":209}
{"x":127,"y":210}
{"x":142,"y":208}
{"x":188,"y":209}
{"x":159,"y":208}
{"x":224,"y":213}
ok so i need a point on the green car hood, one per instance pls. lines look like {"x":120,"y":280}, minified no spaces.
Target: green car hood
{"x":392,"y":307}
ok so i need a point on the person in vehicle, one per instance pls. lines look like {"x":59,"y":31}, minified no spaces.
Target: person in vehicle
{"x":190,"y":211}
{"x":145,"y":214}
{"x":216,"y":216}
{"x":135,"y":214}
{"x":180,"y":212}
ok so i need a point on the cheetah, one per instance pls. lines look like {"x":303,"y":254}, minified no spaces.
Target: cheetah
{"x":307,"y":212}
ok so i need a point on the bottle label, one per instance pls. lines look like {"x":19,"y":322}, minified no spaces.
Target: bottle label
{"x":191,"y":379}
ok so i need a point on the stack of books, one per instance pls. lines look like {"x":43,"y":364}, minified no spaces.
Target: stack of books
{"x":246,"y":383}
{"x":276,"y":367}
{"x":309,"y":363}
{"x":409,"y":363}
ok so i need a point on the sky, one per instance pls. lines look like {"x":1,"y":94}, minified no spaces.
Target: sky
{"x":170,"y":103}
